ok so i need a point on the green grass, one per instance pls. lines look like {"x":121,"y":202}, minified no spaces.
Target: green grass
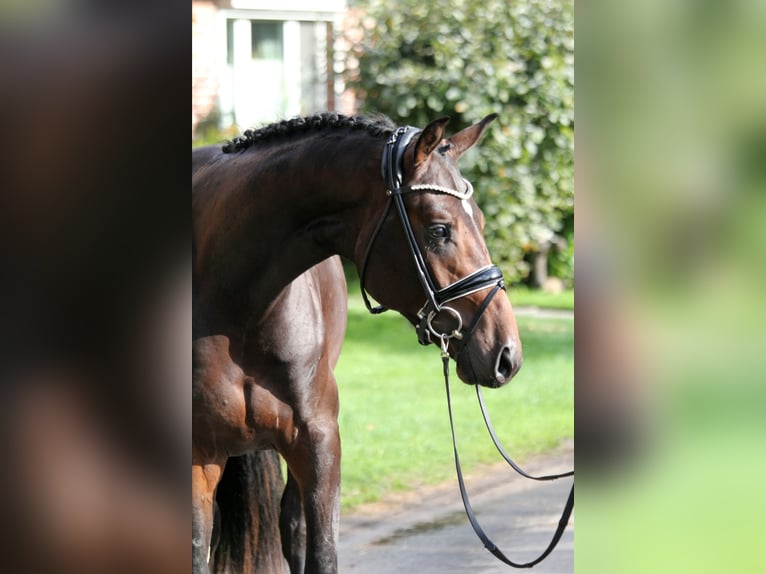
{"x":524,"y":297}
{"x":393,"y":415}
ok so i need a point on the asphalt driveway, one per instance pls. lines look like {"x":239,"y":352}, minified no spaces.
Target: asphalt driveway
{"x":427,"y":531}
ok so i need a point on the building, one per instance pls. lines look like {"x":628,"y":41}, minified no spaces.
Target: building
{"x":258,"y":61}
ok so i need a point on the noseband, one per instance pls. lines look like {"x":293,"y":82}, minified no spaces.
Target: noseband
{"x":436,"y":299}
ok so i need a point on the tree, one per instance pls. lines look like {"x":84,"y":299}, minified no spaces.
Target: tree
{"x":415,"y":61}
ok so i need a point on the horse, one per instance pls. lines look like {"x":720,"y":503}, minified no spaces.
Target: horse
{"x":271,"y":205}
{"x":254,"y":507}
{"x":257,"y":509}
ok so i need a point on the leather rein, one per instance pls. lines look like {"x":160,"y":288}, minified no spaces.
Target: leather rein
{"x":489,"y":277}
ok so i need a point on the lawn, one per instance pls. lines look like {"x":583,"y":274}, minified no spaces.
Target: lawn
{"x":393,"y":416}
{"x":524,"y":297}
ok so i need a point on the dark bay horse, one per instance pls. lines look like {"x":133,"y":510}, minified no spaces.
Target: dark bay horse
{"x":253,"y":503}
{"x":257,"y":509}
{"x":273,"y":205}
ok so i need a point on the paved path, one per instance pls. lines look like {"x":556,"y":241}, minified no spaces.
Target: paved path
{"x":427,"y":531}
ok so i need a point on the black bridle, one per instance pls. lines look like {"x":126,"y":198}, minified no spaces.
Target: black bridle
{"x":489,"y":277}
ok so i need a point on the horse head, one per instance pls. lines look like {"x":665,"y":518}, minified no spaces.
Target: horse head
{"x":443,"y":234}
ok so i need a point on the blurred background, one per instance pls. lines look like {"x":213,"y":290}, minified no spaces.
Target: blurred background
{"x":670,"y":236}
{"x":94,"y":287}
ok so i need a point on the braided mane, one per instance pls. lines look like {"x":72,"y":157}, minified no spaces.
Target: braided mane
{"x":377,"y":125}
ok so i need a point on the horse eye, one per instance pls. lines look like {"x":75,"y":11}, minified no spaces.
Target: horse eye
{"x":438,"y":231}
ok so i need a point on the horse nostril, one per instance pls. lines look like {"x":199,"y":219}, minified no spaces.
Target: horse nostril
{"x":504,"y":369}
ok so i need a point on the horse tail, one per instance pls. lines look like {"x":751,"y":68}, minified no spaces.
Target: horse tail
{"x":248,"y":499}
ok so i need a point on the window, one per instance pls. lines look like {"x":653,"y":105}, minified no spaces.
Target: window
{"x":266,"y":38}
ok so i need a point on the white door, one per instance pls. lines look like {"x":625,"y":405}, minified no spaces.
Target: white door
{"x":253,"y":86}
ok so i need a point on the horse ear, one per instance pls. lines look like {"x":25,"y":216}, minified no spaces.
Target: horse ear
{"x":429,"y":138}
{"x":467,"y":138}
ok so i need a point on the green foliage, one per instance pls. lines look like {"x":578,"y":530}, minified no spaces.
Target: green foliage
{"x":467,"y":58}
{"x":561,"y":257}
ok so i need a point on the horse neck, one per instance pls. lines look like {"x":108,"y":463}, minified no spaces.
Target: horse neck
{"x":279,"y":210}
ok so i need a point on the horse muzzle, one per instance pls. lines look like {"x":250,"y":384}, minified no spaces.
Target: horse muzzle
{"x":493,"y":368}
{"x":508,"y":363}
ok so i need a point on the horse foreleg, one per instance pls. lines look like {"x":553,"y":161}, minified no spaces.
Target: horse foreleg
{"x":292,"y":526}
{"x":205,"y":478}
{"x":315,"y":464}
